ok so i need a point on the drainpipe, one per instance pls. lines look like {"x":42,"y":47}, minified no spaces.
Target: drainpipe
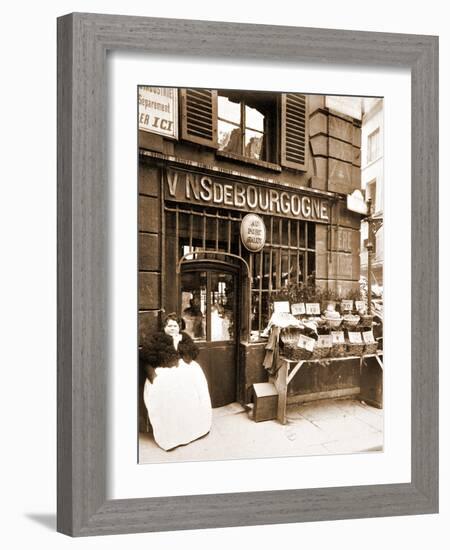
{"x":369,"y":247}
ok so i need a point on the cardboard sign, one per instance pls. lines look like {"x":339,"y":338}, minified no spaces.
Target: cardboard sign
{"x":360,"y":304}
{"x":338,"y":337}
{"x":368,"y":337}
{"x":356,"y":202}
{"x":306,"y":342}
{"x":324,"y":341}
{"x":355,"y":338}
{"x":298,"y":309}
{"x":347,"y":305}
{"x":281,"y":307}
{"x":313,"y":309}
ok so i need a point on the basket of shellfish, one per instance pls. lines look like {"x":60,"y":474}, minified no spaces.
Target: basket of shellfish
{"x":355,"y":343}
{"x":370,"y":348}
{"x":290,"y":347}
{"x":355,"y":348}
{"x":332,"y":317}
{"x":371,"y":345}
{"x":295,"y":353}
{"x":323,"y":347}
{"x":350,"y":321}
{"x":338,"y":350}
{"x":366,"y":321}
{"x":333,"y":324}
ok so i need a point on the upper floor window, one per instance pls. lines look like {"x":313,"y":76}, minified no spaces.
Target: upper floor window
{"x":264,"y":128}
{"x":373,"y":145}
{"x":243,"y":127}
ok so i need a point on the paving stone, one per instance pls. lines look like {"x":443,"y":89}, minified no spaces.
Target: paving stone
{"x":313,"y":429}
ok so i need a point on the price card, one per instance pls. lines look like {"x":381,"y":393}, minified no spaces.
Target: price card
{"x":346,"y":305}
{"x":306,"y":342}
{"x":313,"y":309}
{"x":368,"y":337}
{"x":337,"y":337}
{"x":281,"y":307}
{"x":324,"y":341}
{"x":360,"y":304}
{"x":298,"y":309}
{"x":355,"y":338}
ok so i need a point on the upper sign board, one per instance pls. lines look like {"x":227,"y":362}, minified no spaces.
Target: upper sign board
{"x":158,"y":111}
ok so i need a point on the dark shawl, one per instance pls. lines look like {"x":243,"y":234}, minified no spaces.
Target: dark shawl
{"x":159,"y":351}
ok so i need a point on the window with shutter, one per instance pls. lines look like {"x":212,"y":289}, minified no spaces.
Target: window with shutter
{"x":199,"y":116}
{"x":247,"y":126}
{"x":294,"y":131}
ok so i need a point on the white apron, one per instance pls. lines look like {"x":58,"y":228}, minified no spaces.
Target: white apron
{"x":178,"y":404}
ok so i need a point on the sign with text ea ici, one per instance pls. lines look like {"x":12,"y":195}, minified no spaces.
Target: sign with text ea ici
{"x":253,"y":234}
{"x":220,"y":192}
{"x":158,"y":111}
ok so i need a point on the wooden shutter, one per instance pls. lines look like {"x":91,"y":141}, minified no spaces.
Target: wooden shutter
{"x":199,"y":116}
{"x":294,"y":131}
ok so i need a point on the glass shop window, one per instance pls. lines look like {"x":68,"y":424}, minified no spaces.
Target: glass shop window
{"x":287,"y":261}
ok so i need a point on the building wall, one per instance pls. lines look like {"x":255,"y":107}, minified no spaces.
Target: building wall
{"x":373,"y":119}
{"x":335,"y":141}
{"x":149,"y":222}
{"x":373,"y":171}
{"x":333,"y":169}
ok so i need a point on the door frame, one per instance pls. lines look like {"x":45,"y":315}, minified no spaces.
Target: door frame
{"x":218,"y":266}
{"x":245,"y":295}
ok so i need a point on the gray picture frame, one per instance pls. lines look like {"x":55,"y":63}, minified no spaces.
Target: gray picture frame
{"x":83,"y":212}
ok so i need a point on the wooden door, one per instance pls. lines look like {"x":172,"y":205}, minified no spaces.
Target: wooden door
{"x":209,"y":298}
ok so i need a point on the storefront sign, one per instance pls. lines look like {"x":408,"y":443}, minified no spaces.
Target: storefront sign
{"x":253,"y":233}
{"x":345,"y":240}
{"x":218,"y":192}
{"x":158,"y":111}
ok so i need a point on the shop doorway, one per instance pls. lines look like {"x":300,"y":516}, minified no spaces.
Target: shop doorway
{"x":209,"y":308}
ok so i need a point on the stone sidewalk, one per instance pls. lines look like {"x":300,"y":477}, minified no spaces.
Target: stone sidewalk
{"x":333,"y":426}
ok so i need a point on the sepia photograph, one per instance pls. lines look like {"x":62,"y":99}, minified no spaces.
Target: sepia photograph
{"x":260,"y":274}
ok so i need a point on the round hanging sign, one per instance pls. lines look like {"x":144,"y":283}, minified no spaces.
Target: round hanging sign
{"x":253,"y":232}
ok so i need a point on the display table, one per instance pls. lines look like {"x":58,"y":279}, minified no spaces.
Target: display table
{"x":288,"y":368}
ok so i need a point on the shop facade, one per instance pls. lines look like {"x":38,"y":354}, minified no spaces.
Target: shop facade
{"x":287,"y":159}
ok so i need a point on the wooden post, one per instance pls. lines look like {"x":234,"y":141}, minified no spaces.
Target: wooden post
{"x":280,"y":381}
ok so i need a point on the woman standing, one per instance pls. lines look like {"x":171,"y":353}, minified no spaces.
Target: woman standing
{"x":175,"y":391}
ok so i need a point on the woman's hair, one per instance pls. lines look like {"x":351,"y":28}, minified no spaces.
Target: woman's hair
{"x":173,"y":317}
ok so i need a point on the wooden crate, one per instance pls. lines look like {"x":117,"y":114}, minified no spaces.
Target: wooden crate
{"x":265,"y":401}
